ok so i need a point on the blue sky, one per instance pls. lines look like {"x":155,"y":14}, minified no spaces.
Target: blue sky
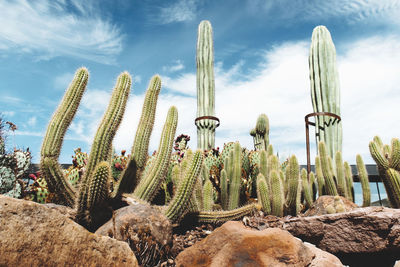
{"x":261,"y":66}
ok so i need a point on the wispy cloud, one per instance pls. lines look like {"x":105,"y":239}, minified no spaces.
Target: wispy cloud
{"x":48,"y":29}
{"x":62,"y":81}
{"x":383,"y":11}
{"x":181,"y":10}
{"x":176,"y":66}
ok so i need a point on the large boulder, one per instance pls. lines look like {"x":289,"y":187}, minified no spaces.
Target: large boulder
{"x":145,"y":228}
{"x":33,"y":234}
{"x":233,"y":244}
{"x":363,"y":230}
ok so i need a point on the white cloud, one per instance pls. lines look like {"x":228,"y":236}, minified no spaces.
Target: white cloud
{"x":183,"y":84}
{"x":32,"y":121}
{"x":49,"y":29}
{"x":8,"y":113}
{"x":62,"y":81}
{"x":177,"y":66}
{"x":182,"y":10}
{"x":383,"y":11}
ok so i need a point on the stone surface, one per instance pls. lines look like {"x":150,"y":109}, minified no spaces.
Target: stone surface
{"x":33,"y":234}
{"x":233,"y":244}
{"x":145,"y":228}
{"x":363,"y":230}
{"x":319,"y":207}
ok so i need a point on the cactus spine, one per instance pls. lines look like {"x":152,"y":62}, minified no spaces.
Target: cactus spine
{"x":363,"y":175}
{"x":205,"y":87}
{"x":53,"y":139}
{"x":387,"y":161}
{"x":325,"y":90}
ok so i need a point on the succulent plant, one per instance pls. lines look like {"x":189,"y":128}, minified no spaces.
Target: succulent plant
{"x":325,"y":90}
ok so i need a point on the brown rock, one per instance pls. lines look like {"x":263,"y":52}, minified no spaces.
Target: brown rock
{"x":363,"y":230}
{"x":233,"y":244}
{"x":322,"y":258}
{"x":144,"y":228}
{"x":320,"y":206}
{"x":32,"y":234}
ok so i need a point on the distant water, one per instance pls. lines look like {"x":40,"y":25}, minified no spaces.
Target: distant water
{"x":374,"y":192}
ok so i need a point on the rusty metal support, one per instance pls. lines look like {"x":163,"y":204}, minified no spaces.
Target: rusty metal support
{"x":337,"y":119}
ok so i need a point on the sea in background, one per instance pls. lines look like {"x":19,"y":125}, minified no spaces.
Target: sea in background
{"x":374,"y":192}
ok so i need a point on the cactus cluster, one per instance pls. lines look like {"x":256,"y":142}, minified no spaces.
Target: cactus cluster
{"x":13,"y":167}
{"x":387,"y":159}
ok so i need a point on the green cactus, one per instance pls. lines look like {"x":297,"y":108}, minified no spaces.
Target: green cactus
{"x":178,"y":205}
{"x":235,"y":179}
{"x":327,"y":170}
{"x":208,"y":196}
{"x":320,"y":176}
{"x":261,"y":133}
{"x":263,"y":194}
{"x":277,"y":194}
{"x":226,"y":215}
{"x":294,"y":191}
{"x":224,"y":189}
{"x":325,"y":90}
{"x":387,"y":161}
{"x":95,"y":179}
{"x":53,"y":139}
{"x":147,"y":188}
{"x":205,"y":87}
{"x":307,"y":188}
{"x":340,"y":177}
{"x":363,"y":175}
{"x":349,"y":181}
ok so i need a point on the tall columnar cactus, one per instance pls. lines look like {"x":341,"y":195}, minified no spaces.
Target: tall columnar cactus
{"x":53,"y":139}
{"x":178,"y":205}
{"x":363,"y":175}
{"x":147,"y":188}
{"x":340,"y":176}
{"x":327,"y":170}
{"x":294,"y":182}
{"x":235,"y":179}
{"x":263,"y":194}
{"x":277,"y":194}
{"x":208,"y":196}
{"x":349,"y":181}
{"x":205,"y":87}
{"x":325,"y":90}
{"x":261,"y":133}
{"x":387,"y":159}
{"x":307,"y":188}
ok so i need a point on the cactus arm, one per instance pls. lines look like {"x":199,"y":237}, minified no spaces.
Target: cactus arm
{"x":326,"y":166}
{"x":294,"y":192}
{"x":277,"y":195}
{"x":395,"y":154}
{"x":263,"y":194}
{"x":148,"y":186}
{"x":178,"y":205}
{"x":307,"y":191}
{"x":224,"y":188}
{"x":349,"y":181}
{"x":363,"y":175}
{"x":224,"y":216}
{"x":393,"y":187}
{"x":102,"y":144}
{"x":340,"y":177}
{"x":234,"y":188}
{"x":99,"y":185}
{"x":208,"y":197}
{"x":54,"y":136}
